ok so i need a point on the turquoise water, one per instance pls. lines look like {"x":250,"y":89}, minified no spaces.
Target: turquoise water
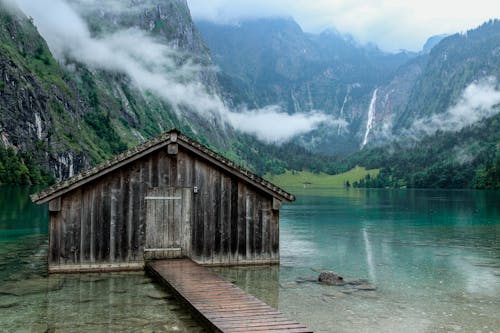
{"x":433,"y":258}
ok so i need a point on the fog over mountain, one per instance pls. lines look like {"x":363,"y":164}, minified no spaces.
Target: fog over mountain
{"x":392,"y":25}
{"x":152,"y":66}
{"x":84,"y":80}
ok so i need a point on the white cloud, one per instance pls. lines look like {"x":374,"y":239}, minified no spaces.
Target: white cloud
{"x":271,"y":124}
{"x":391,"y":24}
{"x":479,"y":100}
{"x":152,"y":66}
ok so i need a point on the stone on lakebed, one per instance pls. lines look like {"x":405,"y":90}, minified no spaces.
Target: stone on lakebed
{"x":331,"y":278}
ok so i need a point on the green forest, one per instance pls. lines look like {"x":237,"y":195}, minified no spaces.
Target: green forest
{"x":469,"y":158}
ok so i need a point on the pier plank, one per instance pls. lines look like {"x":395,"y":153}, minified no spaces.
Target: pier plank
{"x":221,"y":305}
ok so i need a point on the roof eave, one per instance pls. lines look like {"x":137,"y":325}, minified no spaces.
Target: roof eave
{"x":162,"y":141}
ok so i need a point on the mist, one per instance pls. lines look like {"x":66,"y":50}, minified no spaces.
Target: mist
{"x":478,"y":101}
{"x":152,"y":67}
{"x":271,"y":124}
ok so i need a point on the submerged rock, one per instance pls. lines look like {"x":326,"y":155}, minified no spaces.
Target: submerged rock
{"x":487,"y":264}
{"x":306,"y":279}
{"x":356,"y":282}
{"x":32,"y":286}
{"x":289,"y":285}
{"x":349,"y":290}
{"x":369,"y":294}
{"x":145,"y":280}
{"x":39,"y":328}
{"x":92,"y":278}
{"x":331,"y":278}
{"x":366,"y":287}
{"x":8,"y":302}
{"x":497,"y":272}
{"x":158,"y":294}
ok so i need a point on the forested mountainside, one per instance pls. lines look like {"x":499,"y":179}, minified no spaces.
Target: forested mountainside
{"x":272,"y":61}
{"x":133,"y":69}
{"x":379,"y":95}
{"x":436,"y":82}
{"x":469,"y":158}
{"x":66,"y":116}
{"x":59,"y":116}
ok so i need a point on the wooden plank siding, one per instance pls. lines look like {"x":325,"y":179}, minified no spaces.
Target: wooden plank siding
{"x":102,"y":224}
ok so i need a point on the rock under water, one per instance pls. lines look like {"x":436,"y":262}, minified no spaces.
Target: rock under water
{"x":331,"y":278}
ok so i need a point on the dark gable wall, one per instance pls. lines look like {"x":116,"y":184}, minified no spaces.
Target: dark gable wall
{"x":104,"y":222}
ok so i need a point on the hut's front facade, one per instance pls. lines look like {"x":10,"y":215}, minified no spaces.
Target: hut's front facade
{"x":169,"y":197}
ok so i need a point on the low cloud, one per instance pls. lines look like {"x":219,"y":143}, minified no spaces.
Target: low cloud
{"x":479,"y":100}
{"x":392,"y":25}
{"x":272,"y":124}
{"x":153,"y":67}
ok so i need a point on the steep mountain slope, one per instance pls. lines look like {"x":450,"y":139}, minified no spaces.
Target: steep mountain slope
{"x":272,"y":61}
{"x":379,"y":95}
{"x":469,"y":158}
{"x":38,"y":106}
{"x":453,"y":64}
{"x":433,"y":83}
{"x":67,"y":115}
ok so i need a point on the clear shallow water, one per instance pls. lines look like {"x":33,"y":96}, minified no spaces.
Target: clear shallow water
{"x":433,"y":257}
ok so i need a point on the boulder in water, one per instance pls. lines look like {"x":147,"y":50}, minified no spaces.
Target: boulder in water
{"x":331,"y":278}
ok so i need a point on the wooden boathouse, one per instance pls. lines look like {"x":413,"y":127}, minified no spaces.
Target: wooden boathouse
{"x":167,"y":199}
{"x":170,"y":197}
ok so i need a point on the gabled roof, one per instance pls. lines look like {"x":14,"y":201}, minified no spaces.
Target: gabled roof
{"x":149,"y":147}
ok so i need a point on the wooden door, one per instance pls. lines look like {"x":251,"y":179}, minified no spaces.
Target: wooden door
{"x":168,"y":223}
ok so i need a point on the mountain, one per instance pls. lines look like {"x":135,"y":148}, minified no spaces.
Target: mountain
{"x":272,"y":61}
{"x":434,"y":83}
{"x":59,"y":115}
{"x":469,"y":158}
{"x":380,"y":96}
{"x":130,"y":70}
{"x":63,"y":115}
{"x":433,"y":41}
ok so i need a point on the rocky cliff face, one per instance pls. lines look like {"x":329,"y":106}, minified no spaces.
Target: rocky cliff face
{"x":168,"y":21}
{"x":379,"y":95}
{"x":272,"y":61}
{"x":69,"y":115}
{"x":33,"y":97}
{"x":433,"y":83}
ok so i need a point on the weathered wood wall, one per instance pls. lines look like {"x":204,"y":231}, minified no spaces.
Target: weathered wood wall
{"x":102,"y":224}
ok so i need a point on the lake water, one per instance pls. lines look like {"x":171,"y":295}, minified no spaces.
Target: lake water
{"x":433,"y":258}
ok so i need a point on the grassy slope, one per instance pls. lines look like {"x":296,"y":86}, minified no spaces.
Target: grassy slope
{"x":293,"y":179}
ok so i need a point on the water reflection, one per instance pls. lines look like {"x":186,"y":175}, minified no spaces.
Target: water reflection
{"x":125,"y":302}
{"x":268,"y":277}
{"x":423,"y":250}
{"x":18,"y":215}
{"x":433,"y":256}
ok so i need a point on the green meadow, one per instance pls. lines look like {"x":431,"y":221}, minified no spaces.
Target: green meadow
{"x":305,"y":179}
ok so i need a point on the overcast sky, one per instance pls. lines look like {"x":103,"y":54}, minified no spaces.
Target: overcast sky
{"x":391,"y":24}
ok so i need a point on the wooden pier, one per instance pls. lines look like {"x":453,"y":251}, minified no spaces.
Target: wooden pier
{"x":219,"y":304}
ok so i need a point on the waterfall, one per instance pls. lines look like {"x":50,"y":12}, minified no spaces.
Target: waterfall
{"x":342,"y":128}
{"x":38,"y":123}
{"x":371,"y":117}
